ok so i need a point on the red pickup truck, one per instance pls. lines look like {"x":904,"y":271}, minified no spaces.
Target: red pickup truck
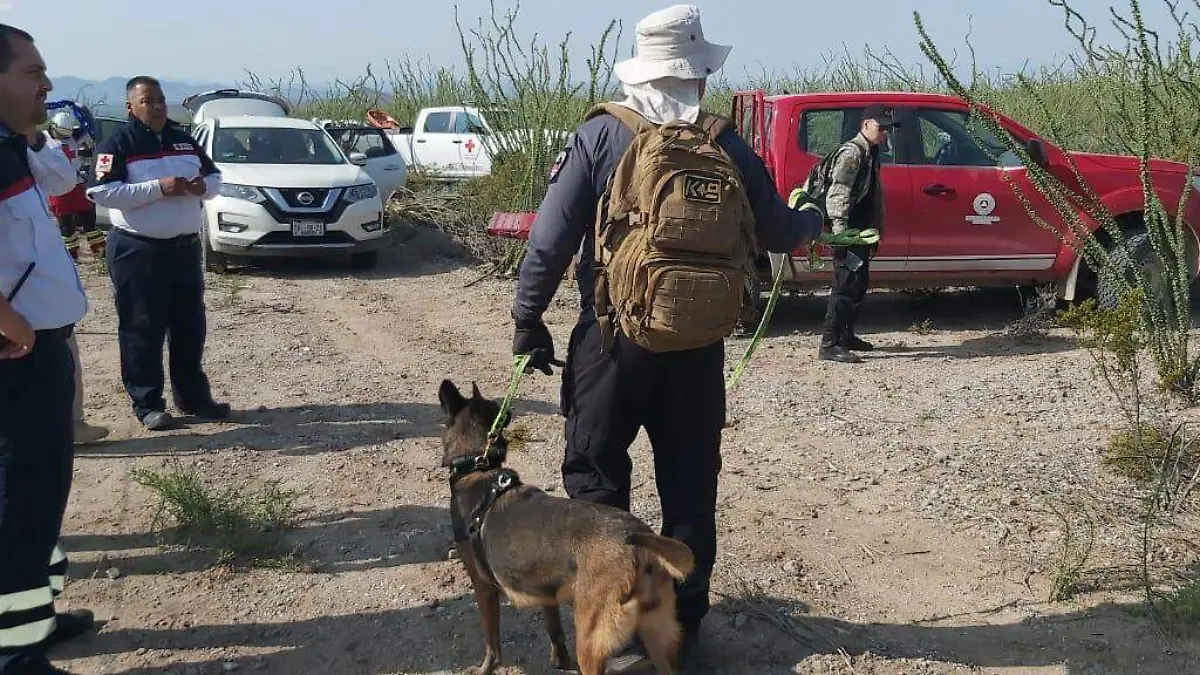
{"x":951,"y":220}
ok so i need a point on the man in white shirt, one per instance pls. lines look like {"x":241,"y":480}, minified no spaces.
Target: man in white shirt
{"x":41,"y":299}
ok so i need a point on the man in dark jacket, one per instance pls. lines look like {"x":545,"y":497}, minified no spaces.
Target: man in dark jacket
{"x":607,"y":395}
{"x":854,"y":200}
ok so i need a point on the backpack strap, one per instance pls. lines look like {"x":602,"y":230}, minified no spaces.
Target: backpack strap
{"x":712,"y":124}
{"x":627,"y":116}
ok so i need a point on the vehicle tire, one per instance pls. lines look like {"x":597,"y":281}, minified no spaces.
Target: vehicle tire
{"x":217,"y":263}
{"x":365,"y":260}
{"x":1135,"y":256}
{"x":753,"y":304}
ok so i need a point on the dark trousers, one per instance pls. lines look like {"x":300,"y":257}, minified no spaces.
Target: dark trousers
{"x":159,"y":290}
{"x":36,"y":460}
{"x":680,"y":400}
{"x":70,"y":223}
{"x":849,"y":289}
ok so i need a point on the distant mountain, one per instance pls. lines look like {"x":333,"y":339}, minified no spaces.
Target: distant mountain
{"x":111,"y":91}
{"x":107,"y":97}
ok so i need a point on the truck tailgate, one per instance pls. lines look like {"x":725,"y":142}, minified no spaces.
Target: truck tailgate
{"x":515,"y":225}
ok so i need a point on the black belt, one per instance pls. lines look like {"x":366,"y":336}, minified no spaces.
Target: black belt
{"x":178,"y":240}
{"x":56,"y":333}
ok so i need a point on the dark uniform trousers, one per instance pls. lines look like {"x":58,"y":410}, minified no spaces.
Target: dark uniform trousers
{"x":679,"y":398}
{"x":36,"y":461}
{"x":71,"y":223}
{"x":846,"y":296}
{"x":159,"y":290}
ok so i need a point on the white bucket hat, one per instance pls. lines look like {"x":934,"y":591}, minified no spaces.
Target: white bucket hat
{"x":670,"y":43}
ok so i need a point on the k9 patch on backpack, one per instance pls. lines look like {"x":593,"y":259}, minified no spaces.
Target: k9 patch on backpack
{"x":674,"y":236}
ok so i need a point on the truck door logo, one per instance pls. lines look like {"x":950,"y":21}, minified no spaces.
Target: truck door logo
{"x":702,"y":189}
{"x":984,"y":205}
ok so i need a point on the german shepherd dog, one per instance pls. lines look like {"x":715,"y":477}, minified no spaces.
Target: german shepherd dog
{"x":541,"y":550}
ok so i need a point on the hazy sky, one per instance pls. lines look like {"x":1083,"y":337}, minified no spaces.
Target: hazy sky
{"x":338,"y":38}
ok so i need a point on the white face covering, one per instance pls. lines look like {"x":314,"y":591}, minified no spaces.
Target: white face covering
{"x":664,"y":99}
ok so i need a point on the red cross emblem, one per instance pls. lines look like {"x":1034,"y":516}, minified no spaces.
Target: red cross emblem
{"x":470,"y":145}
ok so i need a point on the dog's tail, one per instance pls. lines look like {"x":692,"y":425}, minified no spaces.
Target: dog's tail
{"x":674,"y":555}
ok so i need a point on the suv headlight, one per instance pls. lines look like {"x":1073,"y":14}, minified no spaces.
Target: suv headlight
{"x":359,"y":193}
{"x":245,"y":193}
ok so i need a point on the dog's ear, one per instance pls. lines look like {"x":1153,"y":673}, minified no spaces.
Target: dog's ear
{"x":452,"y":401}
{"x":476,"y":395}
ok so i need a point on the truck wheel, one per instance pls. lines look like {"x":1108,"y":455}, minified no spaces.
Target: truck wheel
{"x":1134,"y":257}
{"x":365,"y":260}
{"x":217,"y":263}
{"x":753,"y":305}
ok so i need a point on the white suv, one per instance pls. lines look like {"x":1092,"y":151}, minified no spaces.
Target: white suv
{"x":288,"y":188}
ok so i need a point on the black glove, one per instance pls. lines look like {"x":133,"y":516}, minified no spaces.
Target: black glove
{"x":533,"y":338}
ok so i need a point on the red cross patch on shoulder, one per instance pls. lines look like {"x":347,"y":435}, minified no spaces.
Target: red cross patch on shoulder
{"x":104,"y":162}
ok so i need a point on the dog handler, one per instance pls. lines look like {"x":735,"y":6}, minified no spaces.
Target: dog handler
{"x":607,"y":395}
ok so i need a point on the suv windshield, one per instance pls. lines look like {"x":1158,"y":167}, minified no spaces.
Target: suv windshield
{"x":258,"y":145}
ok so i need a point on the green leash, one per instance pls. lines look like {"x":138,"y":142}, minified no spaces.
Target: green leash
{"x":776,"y":289}
{"x":519,"y":363}
{"x":844,"y":238}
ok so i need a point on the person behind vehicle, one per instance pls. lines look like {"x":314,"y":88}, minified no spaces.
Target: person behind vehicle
{"x":612,"y":383}
{"x":67,"y":174}
{"x":41,"y":300}
{"x":854,"y":201}
{"x":75,"y":212}
{"x":152,"y":176}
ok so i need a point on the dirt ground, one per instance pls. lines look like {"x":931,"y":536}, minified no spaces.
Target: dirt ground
{"x":890,"y":518}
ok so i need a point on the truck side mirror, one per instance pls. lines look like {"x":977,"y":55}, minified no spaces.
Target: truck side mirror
{"x":1037,"y":152}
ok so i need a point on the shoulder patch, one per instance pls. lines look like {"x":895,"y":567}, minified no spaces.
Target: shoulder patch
{"x":183,"y":146}
{"x":104,"y":162}
{"x":558,"y":164}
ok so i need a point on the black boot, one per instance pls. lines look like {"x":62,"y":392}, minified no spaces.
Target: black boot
{"x":849,"y":339}
{"x":855,"y":343}
{"x":838,"y":353}
{"x":70,"y":625}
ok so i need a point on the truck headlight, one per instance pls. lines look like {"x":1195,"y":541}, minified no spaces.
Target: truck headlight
{"x":359,"y":193}
{"x":246,"y":193}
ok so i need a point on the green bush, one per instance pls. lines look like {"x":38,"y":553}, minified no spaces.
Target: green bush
{"x":233,"y":520}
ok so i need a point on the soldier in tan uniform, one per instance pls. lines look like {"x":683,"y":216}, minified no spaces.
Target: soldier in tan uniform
{"x":854,"y":200}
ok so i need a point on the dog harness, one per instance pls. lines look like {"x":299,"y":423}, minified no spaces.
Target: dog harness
{"x":502,"y":482}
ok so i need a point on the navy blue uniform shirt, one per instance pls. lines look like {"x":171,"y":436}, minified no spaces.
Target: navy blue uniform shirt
{"x":565,"y":222}
{"x":128,"y":166}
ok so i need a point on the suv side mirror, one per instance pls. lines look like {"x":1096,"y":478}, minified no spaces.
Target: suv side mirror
{"x":1037,"y":152}
{"x":358,"y":159}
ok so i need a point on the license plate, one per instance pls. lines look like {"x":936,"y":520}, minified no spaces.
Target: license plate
{"x":308,"y":228}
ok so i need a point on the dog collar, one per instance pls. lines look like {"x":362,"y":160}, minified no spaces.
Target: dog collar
{"x":489,"y":461}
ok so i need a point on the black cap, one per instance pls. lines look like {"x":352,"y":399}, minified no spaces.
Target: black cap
{"x":881,"y":114}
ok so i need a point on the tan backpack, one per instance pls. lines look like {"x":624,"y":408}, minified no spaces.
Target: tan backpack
{"x":674,"y":236}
